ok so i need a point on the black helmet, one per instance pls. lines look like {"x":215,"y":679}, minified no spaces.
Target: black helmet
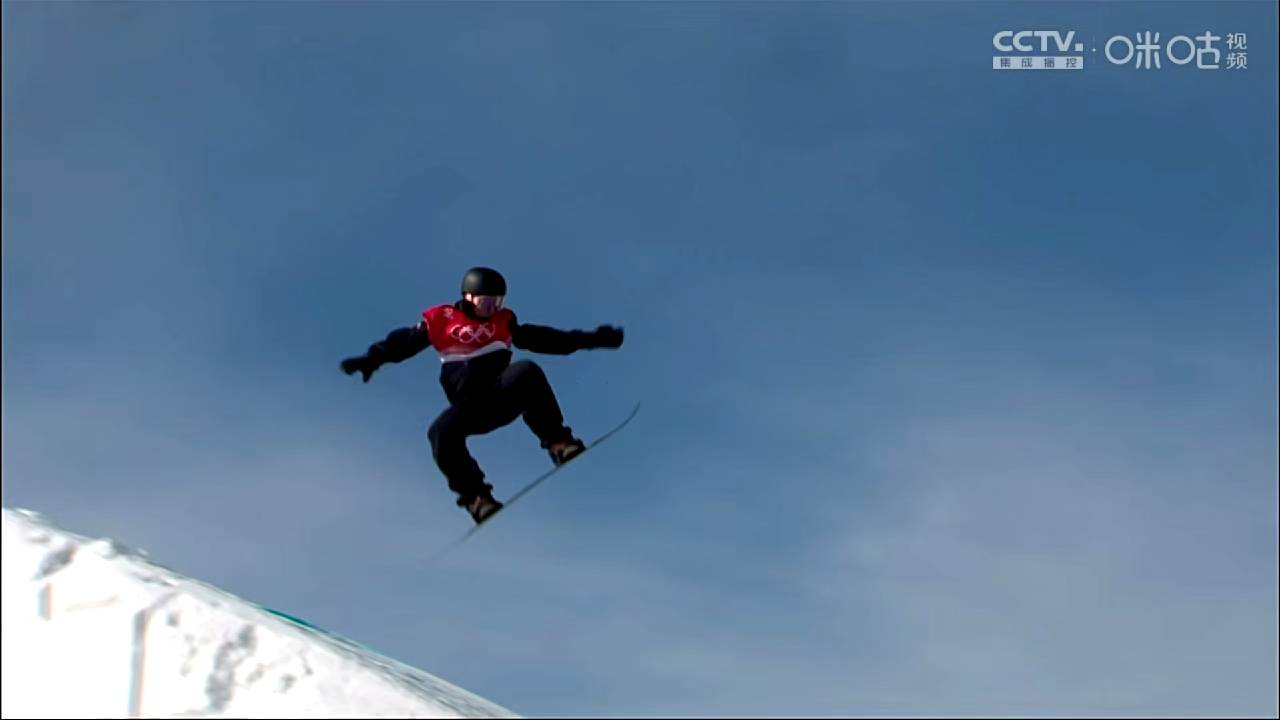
{"x":484,"y":281}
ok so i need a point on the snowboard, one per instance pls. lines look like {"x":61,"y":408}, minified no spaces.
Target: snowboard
{"x":538,"y":480}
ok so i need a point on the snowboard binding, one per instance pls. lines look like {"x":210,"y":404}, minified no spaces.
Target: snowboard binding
{"x":482,"y":507}
{"x":564,"y":451}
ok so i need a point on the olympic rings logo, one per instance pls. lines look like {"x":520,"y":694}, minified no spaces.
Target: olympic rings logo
{"x":472,"y":333}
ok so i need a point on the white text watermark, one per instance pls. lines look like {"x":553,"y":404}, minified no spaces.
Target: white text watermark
{"x":1142,"y":50}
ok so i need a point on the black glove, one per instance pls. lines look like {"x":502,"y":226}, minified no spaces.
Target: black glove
{"x":363,"y":363}
{"x":606,"y":336}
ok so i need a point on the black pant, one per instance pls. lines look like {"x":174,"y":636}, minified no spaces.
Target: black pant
{"x":521,"y":389}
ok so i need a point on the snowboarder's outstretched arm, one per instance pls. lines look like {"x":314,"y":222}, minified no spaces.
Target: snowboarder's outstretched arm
{"x":399,"y":345}
{"x":550,"y":341}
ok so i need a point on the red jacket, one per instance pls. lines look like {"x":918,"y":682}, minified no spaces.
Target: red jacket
{"x":474,"y":351}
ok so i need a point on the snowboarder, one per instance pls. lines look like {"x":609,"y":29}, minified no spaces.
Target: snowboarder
{"x":486,"y":391}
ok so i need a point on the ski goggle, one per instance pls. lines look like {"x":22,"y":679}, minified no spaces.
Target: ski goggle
{"x":488,"y":304}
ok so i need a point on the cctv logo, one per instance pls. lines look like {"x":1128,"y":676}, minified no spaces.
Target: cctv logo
{"x":1009,"y":41}
{"x":1052,"y":44}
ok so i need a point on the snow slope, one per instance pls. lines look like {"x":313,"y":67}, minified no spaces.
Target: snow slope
{"x":93,"y":629}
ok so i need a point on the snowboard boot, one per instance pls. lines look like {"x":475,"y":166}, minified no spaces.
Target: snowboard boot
{"x":565,"y":450}
{"x":482,"y":507}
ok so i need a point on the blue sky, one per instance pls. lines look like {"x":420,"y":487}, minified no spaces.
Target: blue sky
{"x":960,"y":390}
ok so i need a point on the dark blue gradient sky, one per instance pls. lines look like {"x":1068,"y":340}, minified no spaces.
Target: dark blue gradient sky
{"x":960,"y":386}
